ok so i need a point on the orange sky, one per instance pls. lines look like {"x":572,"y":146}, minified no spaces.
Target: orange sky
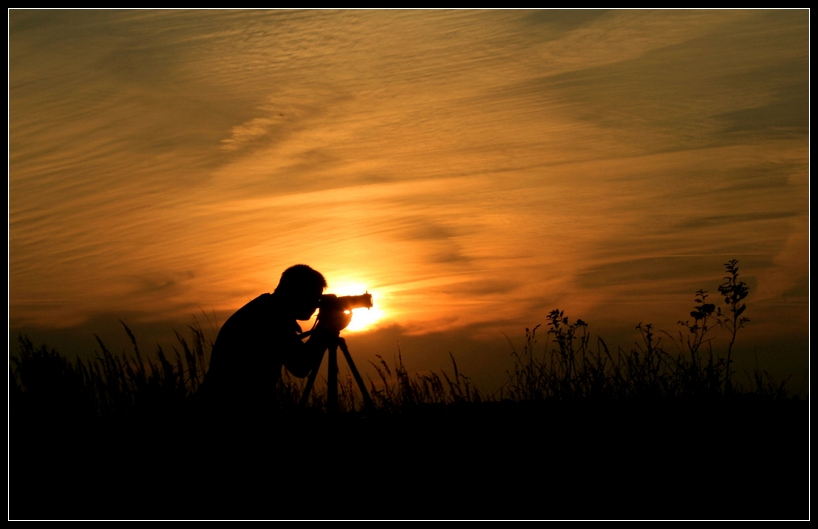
{"x":472,"y":169}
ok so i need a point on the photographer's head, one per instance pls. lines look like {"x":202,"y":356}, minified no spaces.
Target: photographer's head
{"x":300,"y":289}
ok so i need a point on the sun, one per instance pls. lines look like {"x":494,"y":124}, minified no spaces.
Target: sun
{"x":362,"y":319}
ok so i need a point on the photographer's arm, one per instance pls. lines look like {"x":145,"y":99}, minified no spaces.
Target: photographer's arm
{"x":305,"y":356}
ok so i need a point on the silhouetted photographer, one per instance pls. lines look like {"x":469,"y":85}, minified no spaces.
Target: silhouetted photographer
{"x":262,"y":336}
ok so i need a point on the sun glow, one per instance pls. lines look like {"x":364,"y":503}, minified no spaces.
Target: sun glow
{"x":362,"y":319}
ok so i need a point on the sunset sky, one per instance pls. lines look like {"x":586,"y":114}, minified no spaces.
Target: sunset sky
{"x":473,"y":170}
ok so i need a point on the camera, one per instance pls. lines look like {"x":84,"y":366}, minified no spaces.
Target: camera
{"x":331,"y":303}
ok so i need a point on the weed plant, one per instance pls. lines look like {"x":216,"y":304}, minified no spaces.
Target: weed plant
{"x":573,"y":367}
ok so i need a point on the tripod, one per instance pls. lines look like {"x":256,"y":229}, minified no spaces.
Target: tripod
{"x":332,"y":375}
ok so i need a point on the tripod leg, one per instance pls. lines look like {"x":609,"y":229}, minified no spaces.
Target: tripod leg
{"x":332,"y":379}
{"x":311,"y":381}
{"x":367,"y":399}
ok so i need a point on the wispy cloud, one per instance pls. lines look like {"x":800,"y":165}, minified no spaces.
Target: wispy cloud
{"x":471,"y":167}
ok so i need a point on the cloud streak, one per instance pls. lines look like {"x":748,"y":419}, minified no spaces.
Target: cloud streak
{"x":474,"y":168}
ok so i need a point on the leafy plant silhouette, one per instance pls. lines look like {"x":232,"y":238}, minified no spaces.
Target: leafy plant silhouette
{"x":734,"y":292}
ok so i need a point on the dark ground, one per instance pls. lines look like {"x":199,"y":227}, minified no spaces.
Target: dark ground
{"x":724,"y":459}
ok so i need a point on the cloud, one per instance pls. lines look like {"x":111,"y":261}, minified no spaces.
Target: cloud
{"x":474,"y":168}
{"x":654,"y":271}
{"x":722,"y":220}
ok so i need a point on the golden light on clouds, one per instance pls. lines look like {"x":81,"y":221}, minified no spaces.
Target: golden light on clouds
{"x":471,"y":169}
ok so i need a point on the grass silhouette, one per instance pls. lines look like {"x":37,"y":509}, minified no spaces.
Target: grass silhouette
{"x":571,"y":366}
{"x":574,"y":415}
